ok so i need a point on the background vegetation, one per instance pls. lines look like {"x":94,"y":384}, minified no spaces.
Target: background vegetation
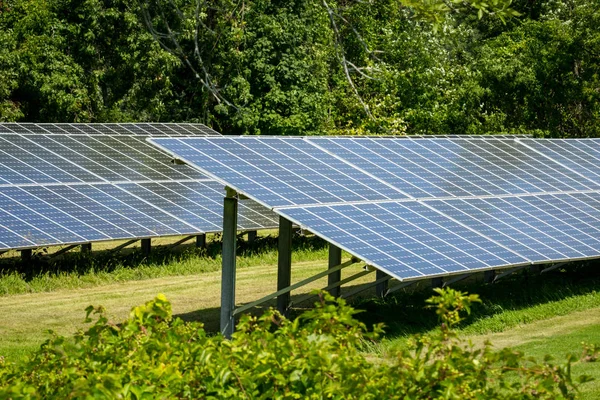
{"x":305,"y":66}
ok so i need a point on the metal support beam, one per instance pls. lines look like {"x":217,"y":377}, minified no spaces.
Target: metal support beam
{"x":26,"y":254}
{"x":437,"y":282}
{"x":507,"y":273}
{"x":382,"y":287}
{"x":201,"y":241}
{"x":553,"y":267}
{"x":364,"y":287}
{"x":86,"y":248}
{"x":456,"y":279}
{"x":284,"y":263}
{"x":335,"y":258}
{"x":251,"y":236}
{"x":146,"y":246}
{"x":294,"y":286}
{"x":122,"y":246}
{"x":230,"y":214}
{"x":400,"y":286}
{"x":63,"y":251}
{"x":489,"y":276}
{"x":336,"y":284}
{"x":181,"y":241}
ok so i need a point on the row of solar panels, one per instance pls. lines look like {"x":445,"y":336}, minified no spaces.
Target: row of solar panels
{"x":80,"y":183}
{"x":420,"y":208}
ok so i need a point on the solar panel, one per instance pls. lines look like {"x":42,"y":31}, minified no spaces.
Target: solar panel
{"x":451,"y":168}
{"x":441,"y":206}
{"x":58,"y":188}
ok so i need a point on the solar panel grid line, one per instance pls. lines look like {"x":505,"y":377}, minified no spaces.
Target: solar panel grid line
{"x":444,"y":174}
{"x":167,"y":205}
{"x":134,"y":228}
{"x":581,"y":218}
{"x":219,"y":216}
{"x":537,"y":221}
{"x":50,"y":184}
{"x":497,"y":161}
{"x":16,"y":150}
{"x":475,"y":169}
{"x":511,"y":227}
{"x":148,"y":203}
{"x":12,"y":174}
{"x":23,"y":242}
{"x":60,"y":232}
{"x":77,"y":210}
{"x":64,"y":218}
{"x":540,"y":170}
{"x":78,"y":213}
{"x":446,"y":231}
{"x":302,"y":184}
{"x":410,"y":194}
{"x":427,"y":203}
{"x":355,"y":181}
{"x":152,"y":153}
{"x":121,"y":164}
{"x":565,"y":152}
{"x":228,"y":168}
{"x":350,"y":250}
{"x":48,"y":144}
{"x":137,"y":163}
{"x":24,"y":167}
{"x":557,"y":221}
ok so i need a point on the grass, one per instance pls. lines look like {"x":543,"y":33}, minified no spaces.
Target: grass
{"x":78,"y":271}
{"x":548,"y":314}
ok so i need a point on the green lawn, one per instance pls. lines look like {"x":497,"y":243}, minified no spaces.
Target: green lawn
{"x":539,"y":315}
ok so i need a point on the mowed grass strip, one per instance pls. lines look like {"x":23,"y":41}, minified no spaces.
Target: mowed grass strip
{"x":26,"y":318}
{"x":558,"y":336}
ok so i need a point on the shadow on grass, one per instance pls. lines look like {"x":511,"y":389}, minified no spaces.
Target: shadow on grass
{"x":405,"y":313}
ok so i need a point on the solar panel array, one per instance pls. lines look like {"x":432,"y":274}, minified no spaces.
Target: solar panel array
{"x":421,"y":208}
{"x":69,"y":188}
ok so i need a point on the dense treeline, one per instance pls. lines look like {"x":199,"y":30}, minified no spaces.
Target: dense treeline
{"x":303,"y":66}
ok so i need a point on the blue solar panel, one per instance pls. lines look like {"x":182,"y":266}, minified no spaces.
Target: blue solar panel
{"x":77,"y":183}
{"x":581,"y":156}
{"x":458,"y":205}
{"x":445,"y":167}
{"x":409,"y":240}
{"x":281,"y":172}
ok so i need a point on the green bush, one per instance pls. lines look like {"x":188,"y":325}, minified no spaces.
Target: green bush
{"x":317,"y":355}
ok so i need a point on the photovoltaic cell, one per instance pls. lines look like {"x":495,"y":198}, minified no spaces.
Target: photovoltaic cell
{"x":78,"y":183}
{"x":436,"y":206}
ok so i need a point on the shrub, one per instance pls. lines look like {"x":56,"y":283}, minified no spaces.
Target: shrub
{"x":317,"y":355}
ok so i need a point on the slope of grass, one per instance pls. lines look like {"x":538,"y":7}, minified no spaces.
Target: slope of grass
{"x":78,"y":270}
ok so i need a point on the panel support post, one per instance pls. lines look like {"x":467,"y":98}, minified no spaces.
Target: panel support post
{"x":335,"y":259}
{"x":251,"y":236}
{"x":230,"y":214}
{"x":201,"y":241}
{"x":26,"y":254}
{"x":284,"y":263}
{"x":437,"y":282}
{"x":382,"y":287}
{"x":488,"y":276}
{"x":86,"y":248}
{"x":146,"y":246}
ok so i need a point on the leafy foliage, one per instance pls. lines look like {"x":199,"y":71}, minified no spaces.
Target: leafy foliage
{"x":317,"y":355}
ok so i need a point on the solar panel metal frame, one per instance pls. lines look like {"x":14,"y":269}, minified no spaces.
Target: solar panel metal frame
{"x":577,"y":182}
{"x":142,"y":155}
